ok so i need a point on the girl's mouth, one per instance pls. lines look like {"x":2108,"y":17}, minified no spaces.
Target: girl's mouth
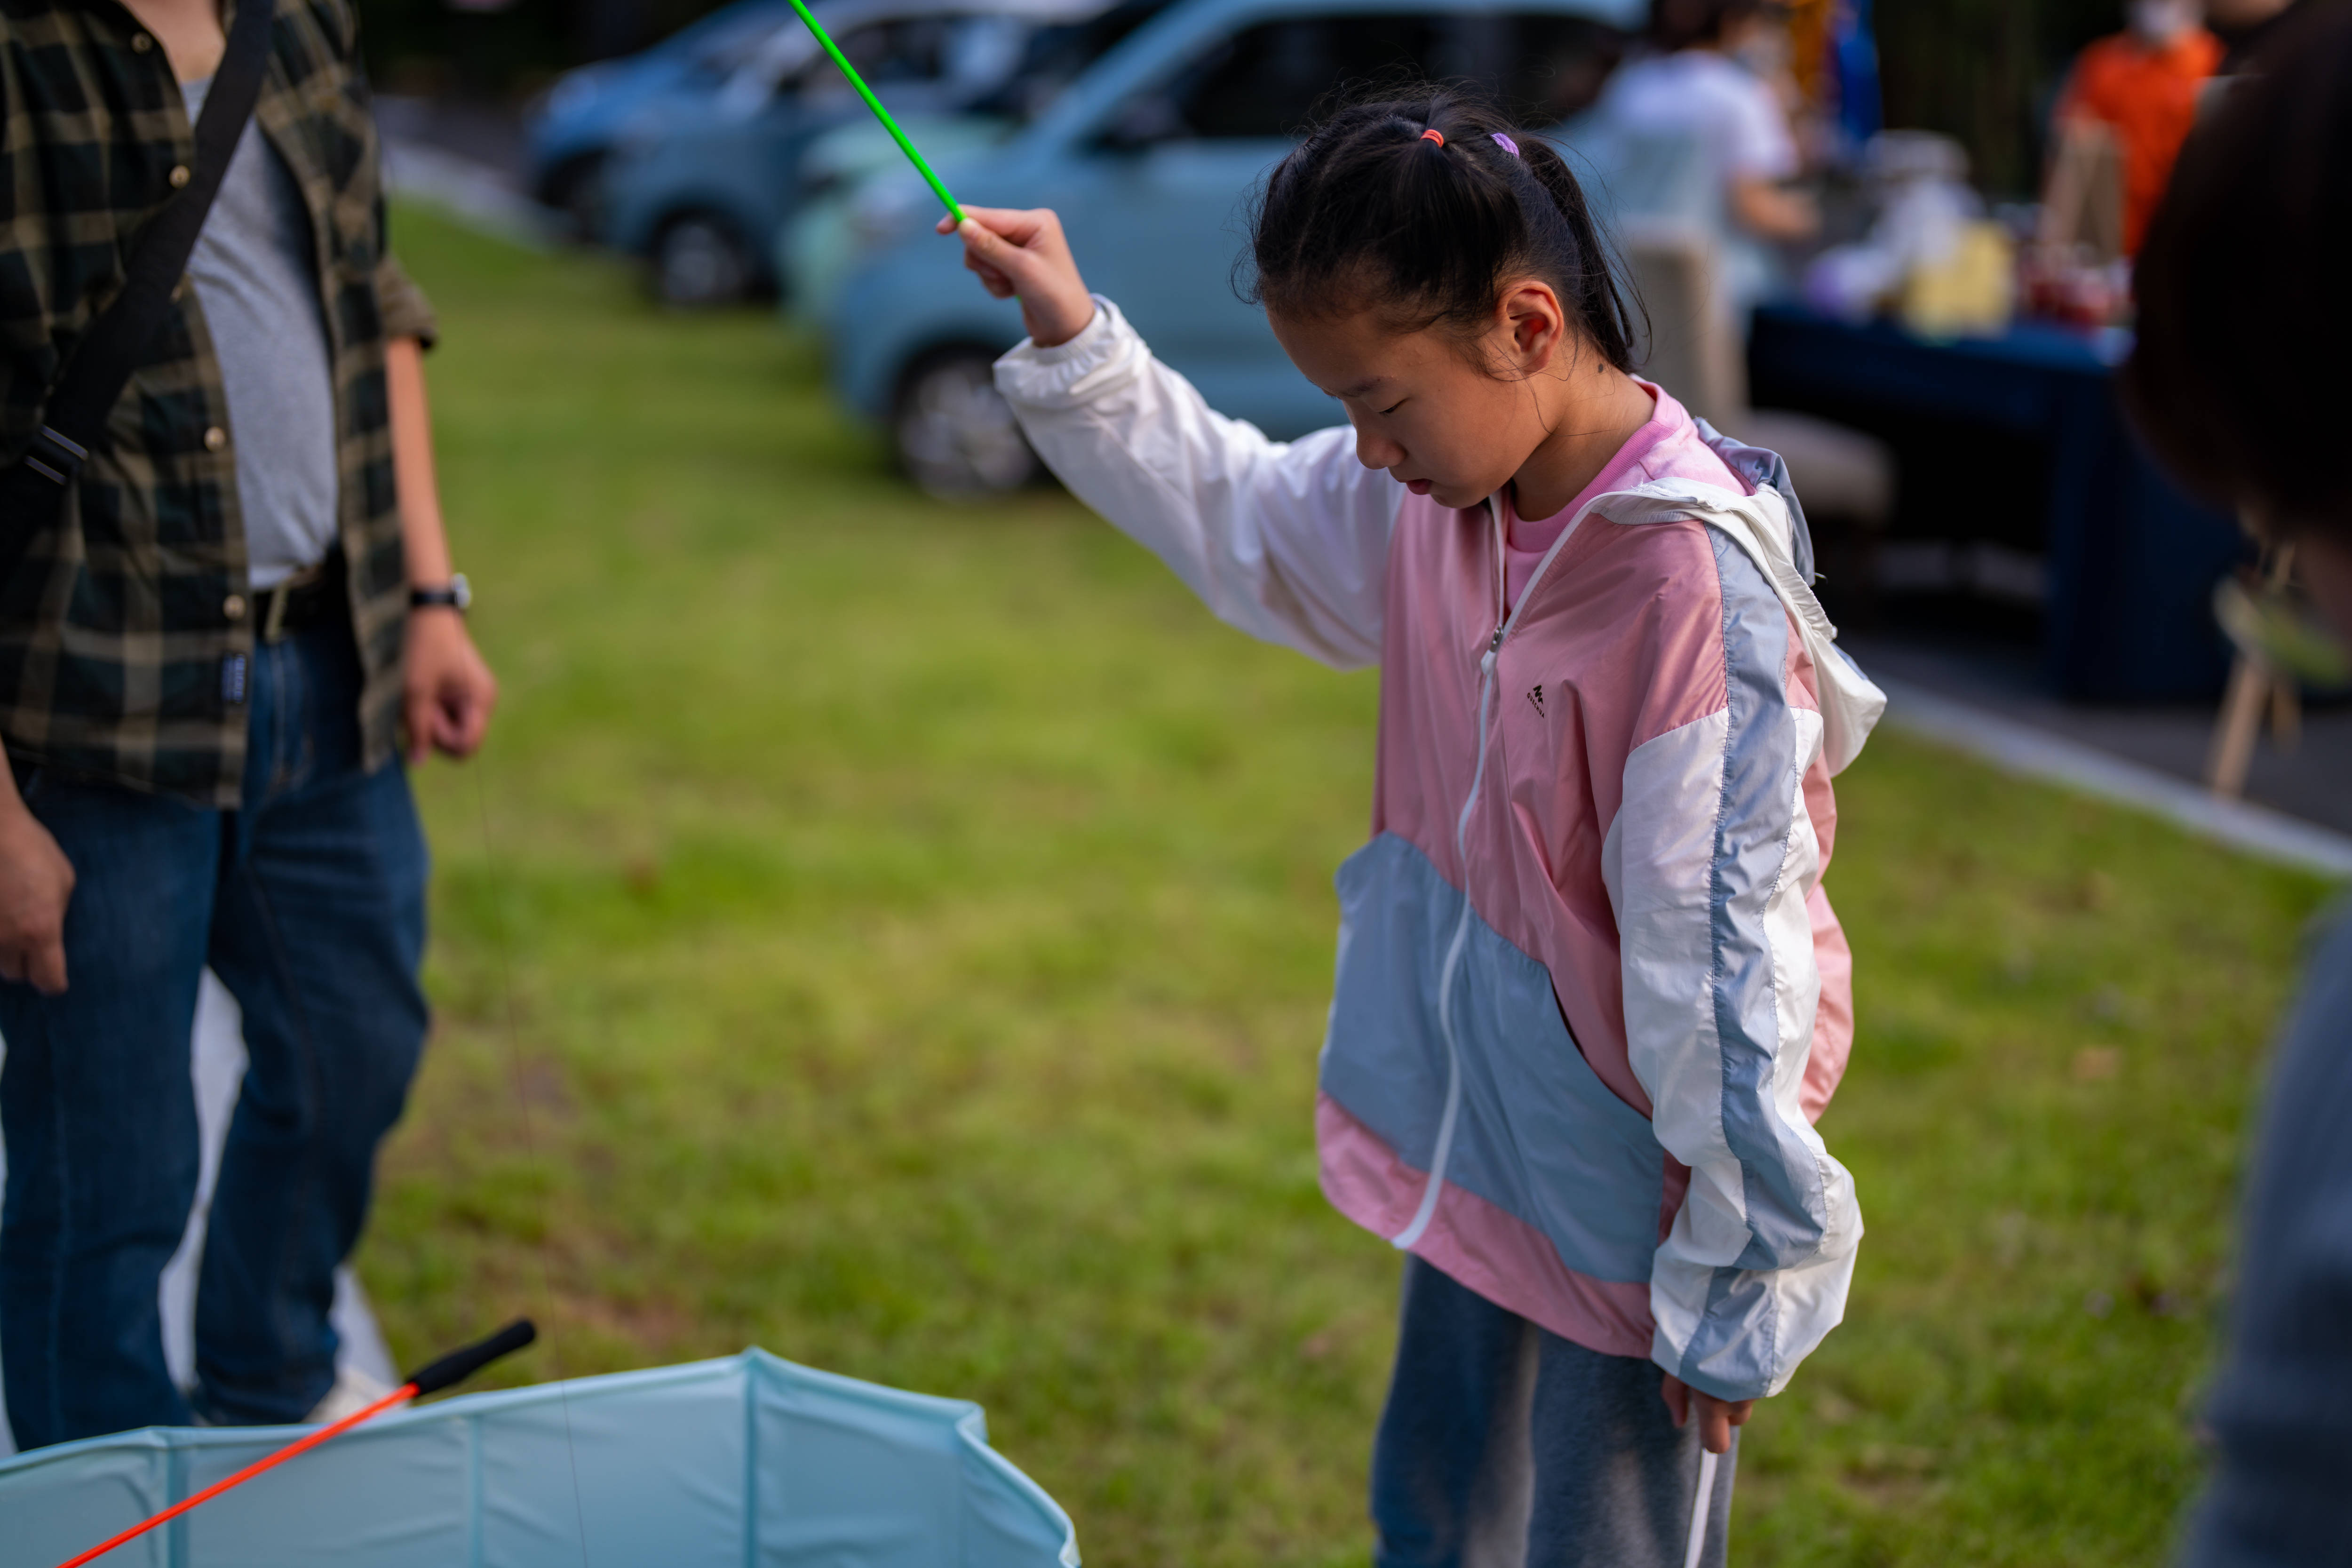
{"x":1419,"y":486}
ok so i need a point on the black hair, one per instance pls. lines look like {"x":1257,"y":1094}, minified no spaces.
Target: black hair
{"x":1367,"y":212}
{"x":1688,"y":24}
{"x":2244,"y":312}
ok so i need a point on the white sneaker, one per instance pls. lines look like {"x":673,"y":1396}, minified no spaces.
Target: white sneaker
{"x":354,"y":1392}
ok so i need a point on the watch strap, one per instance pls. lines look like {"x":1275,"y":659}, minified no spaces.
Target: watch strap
{"x":456,"y":595}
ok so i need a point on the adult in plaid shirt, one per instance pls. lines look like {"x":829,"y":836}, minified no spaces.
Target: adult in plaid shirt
{"x":205,"y":668}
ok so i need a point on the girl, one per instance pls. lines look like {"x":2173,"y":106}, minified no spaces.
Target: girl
{"x":1589,"y":994}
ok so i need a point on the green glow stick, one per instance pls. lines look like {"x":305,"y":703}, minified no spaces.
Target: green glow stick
{"x":914,"y":157}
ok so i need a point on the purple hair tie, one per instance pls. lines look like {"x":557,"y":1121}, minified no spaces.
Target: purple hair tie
{"x":1506,"y":144}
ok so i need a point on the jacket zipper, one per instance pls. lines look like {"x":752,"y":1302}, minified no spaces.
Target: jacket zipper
{"x":1504,"y":621}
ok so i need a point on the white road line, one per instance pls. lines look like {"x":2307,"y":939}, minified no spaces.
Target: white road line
{"x":2037,"y":753}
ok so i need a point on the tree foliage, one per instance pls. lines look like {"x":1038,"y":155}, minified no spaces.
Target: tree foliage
{"x":1986,"y":71}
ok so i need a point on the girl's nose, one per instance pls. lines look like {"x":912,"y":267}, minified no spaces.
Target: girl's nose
{"x":1377,"y":451}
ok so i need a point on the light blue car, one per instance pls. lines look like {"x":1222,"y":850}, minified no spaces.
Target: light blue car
{"x":701,"y":186}
{"x":569,"y":132}
{"x":1148,"y":157}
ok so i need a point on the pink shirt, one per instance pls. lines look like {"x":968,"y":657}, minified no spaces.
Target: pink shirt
{"x":1526,"y":542}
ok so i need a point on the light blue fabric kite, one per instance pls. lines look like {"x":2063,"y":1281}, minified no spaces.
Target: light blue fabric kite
{"x":749,"y":1462}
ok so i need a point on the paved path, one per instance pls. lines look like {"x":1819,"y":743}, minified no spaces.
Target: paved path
{"x":2033,"y":751}
{"x":2313,"y":781}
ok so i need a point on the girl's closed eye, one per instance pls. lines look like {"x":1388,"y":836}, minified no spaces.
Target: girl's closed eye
{"x":1508,"y":343}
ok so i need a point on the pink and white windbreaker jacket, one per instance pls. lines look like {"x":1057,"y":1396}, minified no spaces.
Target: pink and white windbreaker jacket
{"x":1590,"y":995}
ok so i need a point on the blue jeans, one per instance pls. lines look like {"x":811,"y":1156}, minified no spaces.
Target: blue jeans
{"x":308,"y":903}
{"x":1504,"y":1445}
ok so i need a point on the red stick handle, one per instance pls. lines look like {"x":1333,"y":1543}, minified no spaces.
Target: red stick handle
{"x":309,"y":1440}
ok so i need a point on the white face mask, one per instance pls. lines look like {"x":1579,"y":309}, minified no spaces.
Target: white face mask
{"x":2161,"y":21}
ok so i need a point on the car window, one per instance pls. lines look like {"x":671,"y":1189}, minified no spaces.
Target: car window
{"x":723,"y":41}
{"x":1262,"y":81}
{"x":1056,"y":55}
{"x":908,"y":48}
{"x":1553,"y":67}
{"x":1265,"y":81}
{"x":967,"y":54}
{"x":721,"y":57}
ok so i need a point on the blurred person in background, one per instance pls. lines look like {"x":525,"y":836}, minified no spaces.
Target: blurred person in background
{"x":1703,"y":81}
{"x":2245,"y":326}
{"x":2140,"y":88}
{"x":209,"y":646}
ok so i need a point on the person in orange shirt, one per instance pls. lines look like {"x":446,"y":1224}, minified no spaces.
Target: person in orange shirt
{"x":2142,"y":85}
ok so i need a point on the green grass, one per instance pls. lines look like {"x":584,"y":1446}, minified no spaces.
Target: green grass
{"x":915,"y":925}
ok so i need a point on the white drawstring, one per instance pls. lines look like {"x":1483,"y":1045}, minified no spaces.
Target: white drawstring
{"x":1445,"y":1121}
{"x":1698,"y":1508}
{"x":1444,"y":1150}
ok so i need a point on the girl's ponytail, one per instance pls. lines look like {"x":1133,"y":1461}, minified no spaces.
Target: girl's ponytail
{"x":1422,"y":205}
{"x":1600,"y":305}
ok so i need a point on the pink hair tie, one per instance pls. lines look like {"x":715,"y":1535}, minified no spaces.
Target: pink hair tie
{"x":1506,"y":144}
{"x":1434,"y":134}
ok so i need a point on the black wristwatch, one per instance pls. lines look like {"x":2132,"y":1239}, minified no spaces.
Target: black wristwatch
{"x":459,"y":596}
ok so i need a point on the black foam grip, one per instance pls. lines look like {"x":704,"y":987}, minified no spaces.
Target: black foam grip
{"x":459,"y":1365}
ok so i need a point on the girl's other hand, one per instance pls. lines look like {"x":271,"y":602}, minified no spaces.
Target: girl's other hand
{"x":1024,"y":254}
{"x":1717,"y":1418}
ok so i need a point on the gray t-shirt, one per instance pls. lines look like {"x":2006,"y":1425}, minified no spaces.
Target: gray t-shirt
{"x":257,"y":277}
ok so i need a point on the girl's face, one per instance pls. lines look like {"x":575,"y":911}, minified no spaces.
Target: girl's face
{"x":1423,"y":405}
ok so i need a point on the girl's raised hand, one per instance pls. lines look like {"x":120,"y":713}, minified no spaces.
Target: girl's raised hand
{"x":1024,"y":254}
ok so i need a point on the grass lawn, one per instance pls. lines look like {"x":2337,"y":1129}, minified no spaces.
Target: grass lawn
{"x":899,"y":937}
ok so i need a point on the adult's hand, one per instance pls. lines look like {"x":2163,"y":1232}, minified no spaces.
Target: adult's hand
{"x":1772,"y":211}
{"x":1025,"y":254}
{"x":447,"y":691}
{"x":36,"y":881}
{"x":1717,"y":1418}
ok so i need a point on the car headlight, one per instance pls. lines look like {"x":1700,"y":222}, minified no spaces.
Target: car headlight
{"x":891,"y":208}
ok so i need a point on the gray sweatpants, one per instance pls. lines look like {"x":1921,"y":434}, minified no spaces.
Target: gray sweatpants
{"x":1504,"y":1446}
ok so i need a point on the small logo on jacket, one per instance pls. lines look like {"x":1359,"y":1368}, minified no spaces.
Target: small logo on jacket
{"x":1536,"y":697}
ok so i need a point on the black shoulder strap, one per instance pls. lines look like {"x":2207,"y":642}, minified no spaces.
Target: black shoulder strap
{"x":101,"y":363}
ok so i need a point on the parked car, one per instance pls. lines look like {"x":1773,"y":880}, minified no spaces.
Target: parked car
{"x":821,"y":243}
{"x":568,"y":132}
{"x":701,"y":186}
{"x":1148,"y":157}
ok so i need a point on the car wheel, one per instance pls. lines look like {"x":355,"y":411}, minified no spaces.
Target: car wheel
{"x":955,"y":433}
{"x":700,"y":261}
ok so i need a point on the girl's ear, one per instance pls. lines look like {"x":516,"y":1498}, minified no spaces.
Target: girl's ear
{"x":1536,"y":324}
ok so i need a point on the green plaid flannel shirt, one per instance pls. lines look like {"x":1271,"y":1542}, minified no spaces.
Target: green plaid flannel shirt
{"x":126,"y":631}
